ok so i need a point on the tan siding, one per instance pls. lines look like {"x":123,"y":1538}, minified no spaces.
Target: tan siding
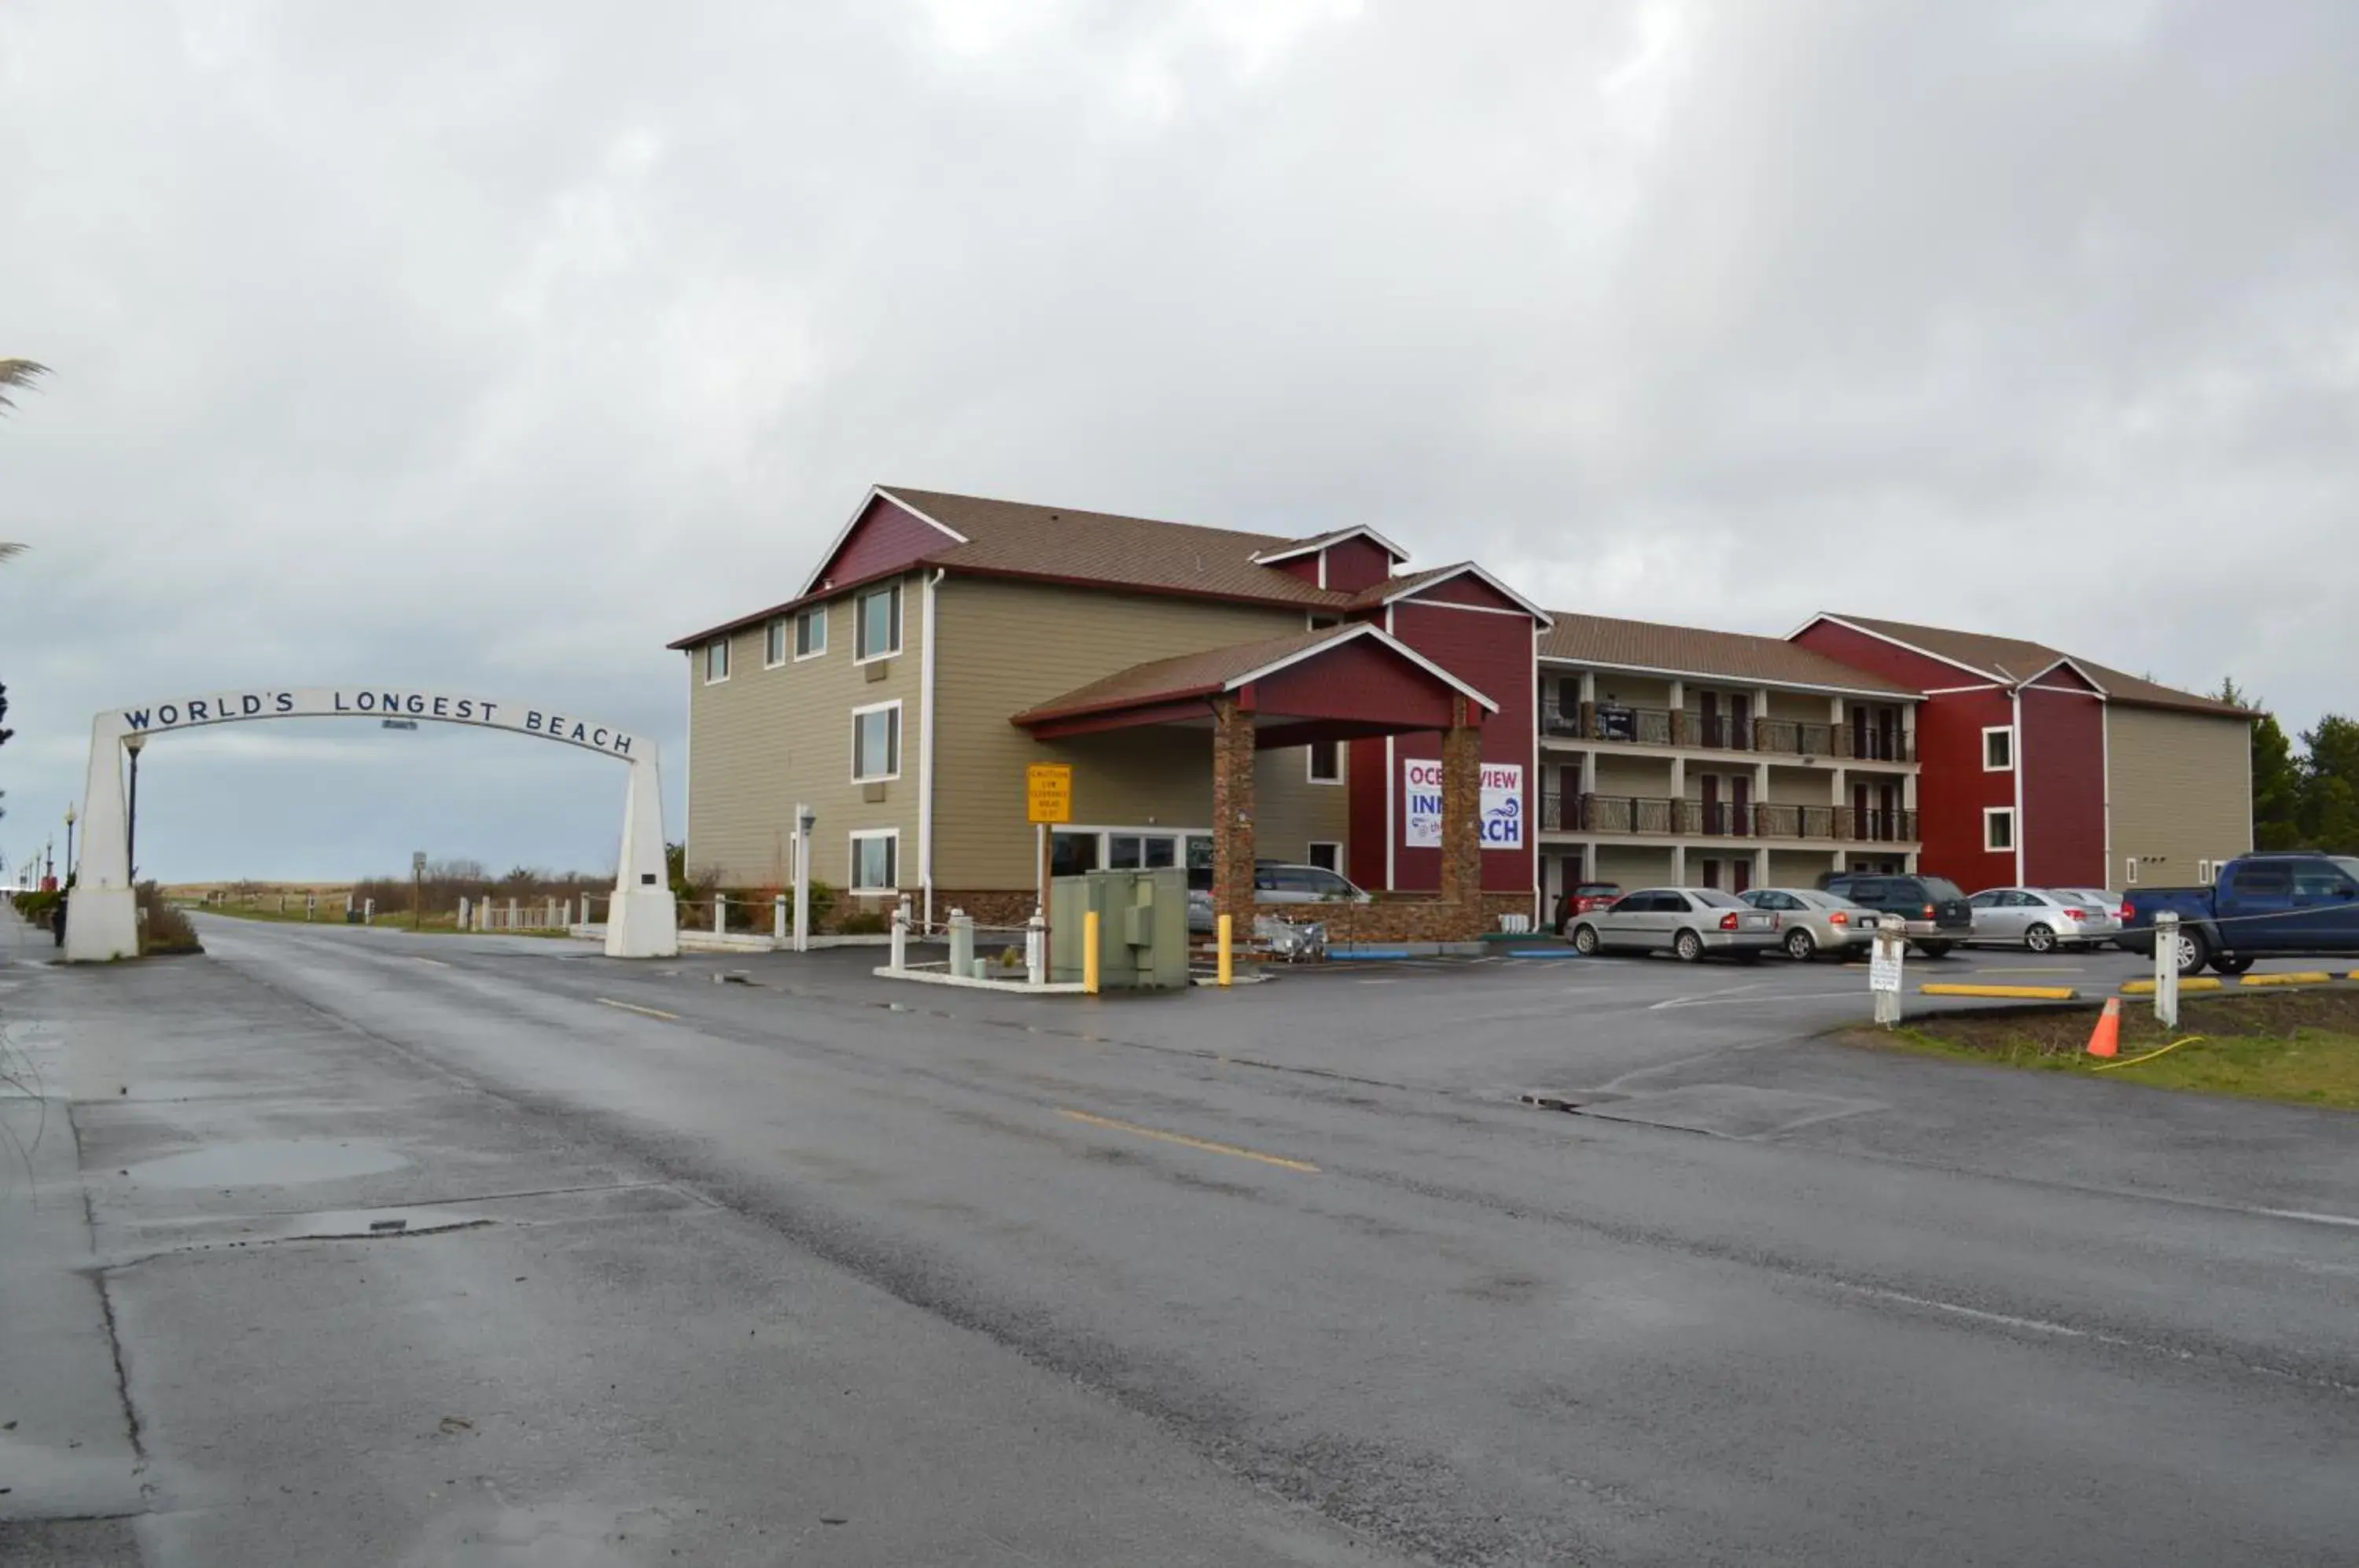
{"x":764,"y":739}
{"x":1632,"y":866}
{"x":1801,"y":787}
{"x":1006,"y":647}
{"x":1799,"y":868}
{"x":2180,"y":792}
{"x":1646,"y":777}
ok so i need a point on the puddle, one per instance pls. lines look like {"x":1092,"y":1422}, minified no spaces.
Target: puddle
{"x":269,"y":1162}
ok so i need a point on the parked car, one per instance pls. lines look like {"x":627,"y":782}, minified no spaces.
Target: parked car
{"x":2104,"y":923}
{"x":2263,"y":906}
{"x":1813,"y":921}
{"x":1689,"y":922}
{"x":1581,"y":899}
{"x":2040,"y":919}
{"x":1275,"y":882}
{"x":1938,"y":914}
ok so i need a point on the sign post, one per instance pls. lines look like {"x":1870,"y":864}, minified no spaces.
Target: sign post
{"x":1048,"y":801}
{"x":417,"y":886}
{"x":2166,"y":969}
{"x":1884,"y":963}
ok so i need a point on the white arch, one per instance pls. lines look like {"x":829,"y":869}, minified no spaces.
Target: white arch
{"x":101,"y":918}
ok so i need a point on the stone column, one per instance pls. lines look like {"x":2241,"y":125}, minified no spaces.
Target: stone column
{"x":1462,"y":809}
{"x":1233,"y":814}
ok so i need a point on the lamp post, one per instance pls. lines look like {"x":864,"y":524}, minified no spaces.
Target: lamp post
{"x":131,"y":827}
{"x":70,"y":823}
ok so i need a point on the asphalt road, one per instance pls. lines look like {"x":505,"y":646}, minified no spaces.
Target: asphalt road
{"x":822,"y":1270}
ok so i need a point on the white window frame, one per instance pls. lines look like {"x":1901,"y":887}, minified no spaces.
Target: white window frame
{"x":852,"y":871}
{"x":774,"y":631}
{"x":1316,"y":844}
{"x":900,"y":604}
{"x":722,"y":645}
{"x":817,"y":613}
{"x":1310,"y":766}
{"x":2130,"y":872}
{"x":1992,"y":815}
{"x":899,"y":734}
{"x":2006,"y":730}
{"x":2204,"y":874}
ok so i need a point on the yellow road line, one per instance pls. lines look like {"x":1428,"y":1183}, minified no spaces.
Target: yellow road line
{"x":2023,"y":993}
{"x":2306,"y":978}
{"x":2186,"y":982}
{"x":1186,"y":1142}
{"x":634,"y":1007}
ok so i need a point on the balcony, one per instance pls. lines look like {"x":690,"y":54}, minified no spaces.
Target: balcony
{"x":1720,"y":732}
{"x":1694,"y":818}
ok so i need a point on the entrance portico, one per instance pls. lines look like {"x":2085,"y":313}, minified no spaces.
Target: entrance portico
{"x":1331,"y":685}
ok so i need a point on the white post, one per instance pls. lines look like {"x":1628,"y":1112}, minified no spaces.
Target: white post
{"x":368,"y":912}
{"x":962,"y":943}
{"x":1884,"y":967}
{"x":803,"y":878}
{"x":720,"y":914}
{"x":464,"y":910}
{"x":1035,"y":951}
{"x":901,"y":954}
{"x":513,"y":908}
{"x":2166,"y":969}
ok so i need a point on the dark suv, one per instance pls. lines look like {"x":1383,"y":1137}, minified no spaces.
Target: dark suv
{"x":1938,"y":914}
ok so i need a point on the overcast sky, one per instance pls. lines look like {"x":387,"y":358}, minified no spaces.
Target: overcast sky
{"x":493,"y":347}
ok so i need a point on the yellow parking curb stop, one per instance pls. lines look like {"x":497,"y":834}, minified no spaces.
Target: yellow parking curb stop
{"x":2192,"y":983}
{"x":2020,"y":993}
{"x":2305,"y":978}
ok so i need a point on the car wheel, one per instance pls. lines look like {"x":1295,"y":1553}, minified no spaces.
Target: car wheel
{"x":1935,"y":948}
{"x":2194,"y":953}
{"x":2224,"y":964}
{"x":1584,"y":941}
{"x":2040,"y":939}
{"x":1800,"y":945}
{"x":1687,"y":947}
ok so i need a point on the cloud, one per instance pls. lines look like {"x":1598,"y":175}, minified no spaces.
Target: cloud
{"x":495,"y":346}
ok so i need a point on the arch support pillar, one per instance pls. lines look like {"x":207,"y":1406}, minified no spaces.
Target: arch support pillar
{"x":645,"y":919}
{"x":101,"y":913}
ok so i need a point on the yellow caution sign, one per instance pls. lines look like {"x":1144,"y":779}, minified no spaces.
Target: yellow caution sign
{"x":1049,"y":792}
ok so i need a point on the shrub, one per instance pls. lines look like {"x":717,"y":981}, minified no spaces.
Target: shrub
{"x":866,"y":922}
{"x":37,"y":905}
{"x":162,"y":927}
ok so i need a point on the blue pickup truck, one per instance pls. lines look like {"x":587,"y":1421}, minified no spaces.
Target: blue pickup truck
{"x":2263,"y":906}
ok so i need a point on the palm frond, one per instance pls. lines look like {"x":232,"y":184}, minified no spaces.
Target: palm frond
{"x":18,"y":374}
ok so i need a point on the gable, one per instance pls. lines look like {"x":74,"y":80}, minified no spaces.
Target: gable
{"x":2065,"y":677}
{"x":1469,"y":590}
{"x":884,"y":536}
{"x":1356,"y":563}
{"x":1880,"y":656}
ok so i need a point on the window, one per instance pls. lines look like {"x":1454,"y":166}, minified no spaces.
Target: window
{"x":1999,"y":749}
{"x":2262,"y":882}
{"x":1070,"y":853}
{"x":876,"y":861}
{"x":879,"y":615}
{"x":2202,"y":873}
{"x":810,"y":632}
{"x":1326,"y":857}
{"x":1326,"y":761}
{"x":2323,"y":879}
{"x":1999,"y":829}
{"x":774,"y":645}
{"x":876,"y":743}
{"x":717,"y":661}
{"x":2130,"y":872}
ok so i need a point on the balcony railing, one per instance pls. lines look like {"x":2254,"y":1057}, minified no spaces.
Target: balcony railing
{"x":1640,"y":814}
{"x":1724,"y":731}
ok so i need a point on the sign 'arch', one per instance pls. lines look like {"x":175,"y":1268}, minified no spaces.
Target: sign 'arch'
{"x":102,"y":916}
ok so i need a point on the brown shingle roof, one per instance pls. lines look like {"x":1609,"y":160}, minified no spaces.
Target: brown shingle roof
{"x":2015,"y":660}
{"x":1691,"y":650}
{"x":1109,"y":550}
{"x":1185,"y":675}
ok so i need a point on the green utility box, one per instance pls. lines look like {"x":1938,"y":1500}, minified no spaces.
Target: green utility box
{"x":1142,"y":928}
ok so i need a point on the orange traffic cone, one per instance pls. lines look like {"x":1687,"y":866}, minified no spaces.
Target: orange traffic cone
{"x":2105,"y":1039}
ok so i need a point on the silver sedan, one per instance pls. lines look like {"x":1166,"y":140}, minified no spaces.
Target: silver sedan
{"x":2031,"y":917}
{"x":1689,"y":921}
{"x":1815,"y":922}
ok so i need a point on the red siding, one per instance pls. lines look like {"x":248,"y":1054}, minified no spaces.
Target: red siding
{"x":1356,"y":563}
{"x":1470,"y":590}
{"x":1493,"y":655}
{"x":1953,"y":790}
{"x":1359,"y":680}
{"x":1879,"y":657}
{"x":885,"y":537}
{"x":1364,"y":773}
{"x":2063,"y":752}
{"x":1303,"y":566}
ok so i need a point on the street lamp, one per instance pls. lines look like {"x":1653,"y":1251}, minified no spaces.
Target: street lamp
{"x":131,"y":827}
{"x":70,"y":823}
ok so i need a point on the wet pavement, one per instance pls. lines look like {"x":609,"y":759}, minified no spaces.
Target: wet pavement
{"x":482,"y":1251}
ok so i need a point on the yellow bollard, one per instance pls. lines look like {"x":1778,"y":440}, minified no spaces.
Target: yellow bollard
{"x":1090,"y":952}
{"x":1224,"y":969}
